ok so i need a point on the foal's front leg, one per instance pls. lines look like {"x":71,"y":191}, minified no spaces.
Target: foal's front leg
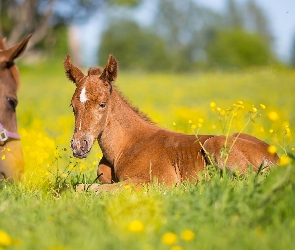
{"x":101,"y":188}
{"x":105,"y":174}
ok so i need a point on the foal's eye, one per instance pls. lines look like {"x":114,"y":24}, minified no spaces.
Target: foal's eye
{"x":102,"y":105}
{"x":12,"y":102}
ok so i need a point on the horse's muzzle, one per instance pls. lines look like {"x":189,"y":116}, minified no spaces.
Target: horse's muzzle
{"x":81,"y":147}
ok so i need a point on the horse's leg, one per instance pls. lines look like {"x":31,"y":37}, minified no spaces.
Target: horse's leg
{"x":241,"y":151}
{"x":105,"y":175}
{"x":99,"y":188}
{"x":105,"y":172}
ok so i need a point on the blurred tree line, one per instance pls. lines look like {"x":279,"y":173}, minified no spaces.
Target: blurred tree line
{"x":182,"y":36}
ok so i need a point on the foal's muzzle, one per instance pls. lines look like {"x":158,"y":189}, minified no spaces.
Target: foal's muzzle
{"x":81,"y":147}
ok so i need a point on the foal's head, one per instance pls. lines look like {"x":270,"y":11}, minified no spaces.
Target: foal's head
{"x":11,"y":162}
{"x":90,"y":103}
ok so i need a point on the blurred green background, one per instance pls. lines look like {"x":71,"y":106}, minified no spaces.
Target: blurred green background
{"x":166,"y":35}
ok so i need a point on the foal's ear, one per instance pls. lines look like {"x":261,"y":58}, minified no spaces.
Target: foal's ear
{"x":17,"y":50}
{"x":72,"y":72}
{"x":110,"y":72}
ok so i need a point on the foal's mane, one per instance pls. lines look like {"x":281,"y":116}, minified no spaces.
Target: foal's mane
{"x":134,"y":108}
{"x":98,"y":71}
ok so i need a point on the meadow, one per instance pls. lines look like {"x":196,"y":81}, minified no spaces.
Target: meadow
{"x":220,"y":212}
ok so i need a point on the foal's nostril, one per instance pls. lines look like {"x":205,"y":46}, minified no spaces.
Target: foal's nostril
{"x":71,"y":143}
{"x":84,"y":145}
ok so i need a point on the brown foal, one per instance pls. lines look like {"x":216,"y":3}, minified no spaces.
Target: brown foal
{"x":135,"y":150}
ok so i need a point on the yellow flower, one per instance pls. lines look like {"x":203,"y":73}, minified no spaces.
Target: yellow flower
{"x":273,"y":116}
{"x":5,"y":239}
{"x":200,"y":125}
{"x":63,"y":175}
{"x":253,"y":110}
{"x":272,"y":149}
{"x":284,"y":160}
{"x":174,"y":124}
{"x":193,"y":126}
{"x":176,"y":248}
{"x":200,"y":120}
{"x":271,"y":131}
{"x":239,"y":102}
{"x":127,"y":186}
{"x":136,"y":226}
{"x":3,"y":157}
{"x":187,"y":235}
{"x":287,"y":129}
{"x":169,"y":238}
{"x":262,"y":106}
{"x":212,"y":104}
{"x":189,"y":121}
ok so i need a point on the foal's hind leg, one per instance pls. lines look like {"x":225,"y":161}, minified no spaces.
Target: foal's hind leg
{"x":240,"y":152}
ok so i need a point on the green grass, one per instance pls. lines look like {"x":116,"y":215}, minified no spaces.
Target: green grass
{"x":251,"y":212}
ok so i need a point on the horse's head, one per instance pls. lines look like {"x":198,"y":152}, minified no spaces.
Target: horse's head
{"x":11,"y":155}
{"x":90,"y":103}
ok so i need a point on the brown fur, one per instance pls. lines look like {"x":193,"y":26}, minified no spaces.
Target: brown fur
{"x":13,"y":165}
{"x":135,"y":150}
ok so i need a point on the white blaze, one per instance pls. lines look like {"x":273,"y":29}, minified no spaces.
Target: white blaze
{"x":83,"y":97}
{"x":80,"y":124}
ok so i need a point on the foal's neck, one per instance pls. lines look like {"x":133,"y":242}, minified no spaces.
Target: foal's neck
{"x":124,"y":128}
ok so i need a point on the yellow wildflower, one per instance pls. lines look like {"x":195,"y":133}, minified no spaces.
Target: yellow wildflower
{"x":5,"y":239}
{"x":187,"y":235}
{"x":200,"y":125}
{"x":127,"y":186}
{"x":200,"y":120}
{"x":136,"y":226}
{"x":262,"y":106}
{"x":189,"y":121}
{"x":193,"y":126}
{"x":287,"y":129}
{"x":253,"y":110}
{"x":212,"y":104}
{"x":3,"y":157}
{"x":273,"y":116}
{"x":272,"y":149}
{"x":169,"y":238}
{"x":174,"y":124}
{"x":239,"y":102}
{"x":271,"y":131}
{"x":284,"y":160}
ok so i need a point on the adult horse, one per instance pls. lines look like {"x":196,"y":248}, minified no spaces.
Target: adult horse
{"x":11,"y":154}
{"x":135,"y":150}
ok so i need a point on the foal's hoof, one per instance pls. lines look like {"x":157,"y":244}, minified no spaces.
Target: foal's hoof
{"x":80,"y":188}
{"x":86,"y":187}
